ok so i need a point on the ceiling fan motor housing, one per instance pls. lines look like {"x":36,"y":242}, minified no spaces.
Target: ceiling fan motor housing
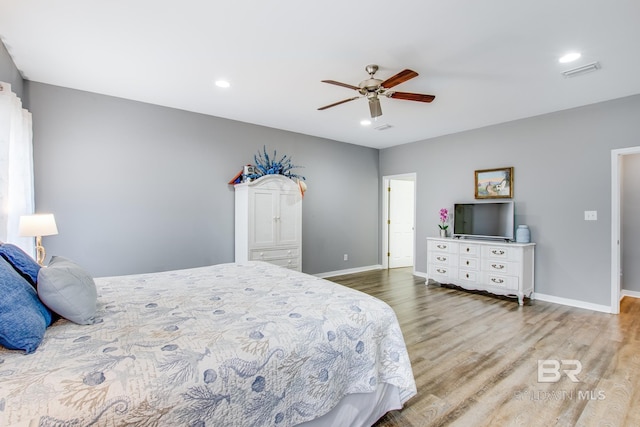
{"x":369,"y":85}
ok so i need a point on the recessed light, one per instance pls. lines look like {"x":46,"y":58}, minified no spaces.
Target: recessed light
{"x":365,"y":122}
{"x":569,"y":57}
{"x":223,"y":83}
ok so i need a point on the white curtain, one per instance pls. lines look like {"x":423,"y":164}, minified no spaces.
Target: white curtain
{"x":16,"y":168}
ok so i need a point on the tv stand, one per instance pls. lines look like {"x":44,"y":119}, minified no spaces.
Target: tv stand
{"x":502,"y":268}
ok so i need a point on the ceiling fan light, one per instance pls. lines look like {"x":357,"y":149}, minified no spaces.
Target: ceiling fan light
{"x":365,"y":122}
{"x":374,"y":107}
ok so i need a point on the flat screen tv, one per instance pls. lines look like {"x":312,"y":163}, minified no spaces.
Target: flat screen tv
{"x":488,"y":220}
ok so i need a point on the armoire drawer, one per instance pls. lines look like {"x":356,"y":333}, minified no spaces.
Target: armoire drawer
{"x":269,"y":254}
{"x":285,"y":262}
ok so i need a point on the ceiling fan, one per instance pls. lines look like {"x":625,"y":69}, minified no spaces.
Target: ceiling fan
{"x":373,"y":88}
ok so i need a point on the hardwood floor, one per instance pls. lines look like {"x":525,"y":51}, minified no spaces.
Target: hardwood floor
{"x":475,"y":357}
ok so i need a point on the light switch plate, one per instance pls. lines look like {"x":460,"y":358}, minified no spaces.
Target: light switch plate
{"x":590,"y":215}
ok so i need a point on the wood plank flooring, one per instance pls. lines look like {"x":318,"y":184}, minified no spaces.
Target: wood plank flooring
{"x":475,"y":357}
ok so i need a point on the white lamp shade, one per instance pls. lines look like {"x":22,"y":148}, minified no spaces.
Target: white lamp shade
{"x":38,"y":225}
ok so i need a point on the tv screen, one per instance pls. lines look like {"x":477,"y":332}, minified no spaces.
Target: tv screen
{"x":486,"y":220}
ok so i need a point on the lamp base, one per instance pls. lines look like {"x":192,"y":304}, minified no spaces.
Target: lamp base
{"x":40,"y":252}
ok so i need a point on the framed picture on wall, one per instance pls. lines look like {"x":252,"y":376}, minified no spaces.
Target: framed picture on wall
{"x":494,"y":183}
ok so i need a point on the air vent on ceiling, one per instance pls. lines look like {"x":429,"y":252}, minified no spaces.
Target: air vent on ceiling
{"x":578,"y":71}
{"x":383,"y":127}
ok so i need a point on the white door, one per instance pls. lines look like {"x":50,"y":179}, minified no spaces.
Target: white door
{"x":401,"y":220}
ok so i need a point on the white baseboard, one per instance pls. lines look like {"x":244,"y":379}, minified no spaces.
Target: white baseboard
{"x":348,"y":271}
{"x":572,"y":302}
{"x":632,"y":294}
{"x":420,"y":274}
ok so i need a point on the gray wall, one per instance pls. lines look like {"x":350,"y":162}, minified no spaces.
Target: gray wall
{"x":630,"y":207}
{"x":561,"y":168}
{"x":140,"y":188}
{"x":10,"y":74}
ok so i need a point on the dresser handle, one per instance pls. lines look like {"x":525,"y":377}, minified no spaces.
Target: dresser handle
{"x":441,"y":271}
{"x":467,"y":249}
{"x":497,"y":266}
{"x":441,"y":258}
{"x":467,"y":262}
{"x":499,"y":281}
{"x":441,"y":246}
{"x":497,"y":252}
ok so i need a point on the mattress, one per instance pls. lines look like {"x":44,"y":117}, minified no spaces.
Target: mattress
{"x":225,"y":345}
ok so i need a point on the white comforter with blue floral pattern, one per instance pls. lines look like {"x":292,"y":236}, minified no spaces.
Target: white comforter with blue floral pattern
{"x":225,"y":345}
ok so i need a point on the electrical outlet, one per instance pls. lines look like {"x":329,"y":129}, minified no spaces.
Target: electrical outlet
{"x":590,"y":215}
{"x":346,"y":257}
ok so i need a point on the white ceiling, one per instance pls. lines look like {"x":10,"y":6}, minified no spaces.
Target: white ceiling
{"x":486,"y":61}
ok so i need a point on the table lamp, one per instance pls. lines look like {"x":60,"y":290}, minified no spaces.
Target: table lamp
{"x":38,"y":225}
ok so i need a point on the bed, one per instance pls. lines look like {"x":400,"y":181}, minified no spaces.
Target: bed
{"x":246,"y":345}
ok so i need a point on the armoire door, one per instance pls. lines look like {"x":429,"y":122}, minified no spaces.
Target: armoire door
{"x":288,"y":218}
{"x":263,"y":224}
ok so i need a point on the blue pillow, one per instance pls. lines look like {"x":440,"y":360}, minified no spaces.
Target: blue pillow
{"x":23,"y":317}
{"x":26,"y":266}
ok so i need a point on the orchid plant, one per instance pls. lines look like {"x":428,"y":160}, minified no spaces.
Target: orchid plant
{"x":444,"y":217}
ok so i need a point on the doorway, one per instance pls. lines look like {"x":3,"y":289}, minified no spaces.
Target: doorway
{"x":616,"y":223}
{"x":398,"y":224}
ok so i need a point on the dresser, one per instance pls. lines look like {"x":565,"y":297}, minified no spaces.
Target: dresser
{"x":502,"y":268}
{"x":268,"y":221}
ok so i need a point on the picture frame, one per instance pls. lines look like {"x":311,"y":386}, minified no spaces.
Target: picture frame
{"x":494,"y":183}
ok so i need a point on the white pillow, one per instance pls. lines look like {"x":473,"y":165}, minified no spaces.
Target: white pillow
{"x":68,"y":290}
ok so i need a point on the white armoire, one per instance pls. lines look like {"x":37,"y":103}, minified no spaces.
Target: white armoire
{"x":269,"y":221}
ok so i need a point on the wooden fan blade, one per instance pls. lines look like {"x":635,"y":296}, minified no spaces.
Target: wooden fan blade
{"x":412,"y":96}
{"x":348,"y":86}
{"x":338,"y":103}
{"x":401,"y":77}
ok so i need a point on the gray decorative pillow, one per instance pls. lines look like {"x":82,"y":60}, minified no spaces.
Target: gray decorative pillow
{"x":68,"y":290}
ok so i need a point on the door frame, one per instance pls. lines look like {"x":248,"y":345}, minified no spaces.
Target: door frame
{"x":616,"y":223}
{"x":384,"y":248}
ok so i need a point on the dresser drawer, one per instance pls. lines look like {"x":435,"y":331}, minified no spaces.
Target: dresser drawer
{"x":501,"y":281}
{"x":467,"y":276}
{"x":468,"y":263}
{"x":468,"y":249}
{"x":439,"y":273}
{"x":441,"y":258}
{"x":270,"y":254}
{"x":501,"y":253}
{"x":499,"y":267}
{"x":443,"y":246}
